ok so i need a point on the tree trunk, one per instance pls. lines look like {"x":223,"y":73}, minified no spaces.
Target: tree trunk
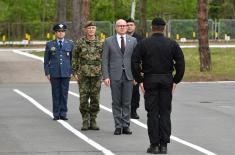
{"x":80,"y":14}
{"x":133,"y":9}
{"x":114,"y":2}
{"x":204,"y":51}
{"x":85,"y":11}
{"x":61,"y":11}
{"x":143,"y":21}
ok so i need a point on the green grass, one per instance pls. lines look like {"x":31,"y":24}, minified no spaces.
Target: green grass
{"x":223,"y":65}
{"x":40,"y":54}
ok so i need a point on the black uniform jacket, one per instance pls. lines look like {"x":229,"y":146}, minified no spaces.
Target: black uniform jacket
{"x":159,"y":55}
{"x":137,"y":36}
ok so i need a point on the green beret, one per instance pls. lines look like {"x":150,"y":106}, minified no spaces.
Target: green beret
{"x":89,"y":23}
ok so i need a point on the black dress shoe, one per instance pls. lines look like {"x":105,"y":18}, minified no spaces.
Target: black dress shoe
{"x":163,"y":149}
{"x":63,"y":118}
{"x":117,"y":131}
{"x":153,"y":150}
{"x":56,"y":118}
{"x":134,"y":115}
{"x":127,"y":131}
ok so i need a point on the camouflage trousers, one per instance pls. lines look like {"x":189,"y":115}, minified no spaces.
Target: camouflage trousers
{"x":89,"y":88}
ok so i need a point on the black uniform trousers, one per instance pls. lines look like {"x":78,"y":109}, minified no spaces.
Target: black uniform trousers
{"x":135,"y":97}
{"x":60,"y":88}
{"x":158,"y":97}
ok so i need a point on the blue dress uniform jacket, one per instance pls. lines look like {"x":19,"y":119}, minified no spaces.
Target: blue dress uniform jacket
{"x":57,"y":62}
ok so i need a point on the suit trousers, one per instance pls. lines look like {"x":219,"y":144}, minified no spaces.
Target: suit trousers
{"x":158,"y":97}
{"x":60,"y":88}
{"x":121,"y":91}
{"x":135,"y":97}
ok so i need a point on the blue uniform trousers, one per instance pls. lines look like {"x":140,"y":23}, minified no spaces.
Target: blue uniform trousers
{"x":60,"y":88}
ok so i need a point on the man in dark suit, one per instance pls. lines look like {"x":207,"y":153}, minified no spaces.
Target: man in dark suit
{"x":131,"y":27}
{"x":159,"y":56}
{"x":116,"y":69}
{"x":58,"y":69}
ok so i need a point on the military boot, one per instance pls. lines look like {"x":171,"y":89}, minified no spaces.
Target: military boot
{"x":85,"y":123}
{"x":93,"y":125}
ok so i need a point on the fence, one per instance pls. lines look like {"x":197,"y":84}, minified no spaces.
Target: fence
{"x":176,"y":29}
{"x":42,"y":30}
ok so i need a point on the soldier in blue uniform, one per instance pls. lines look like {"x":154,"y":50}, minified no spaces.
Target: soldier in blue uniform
{"x":58,"y":69}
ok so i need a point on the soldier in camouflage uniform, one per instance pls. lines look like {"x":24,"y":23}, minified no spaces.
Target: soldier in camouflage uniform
{"x":87,"y":69}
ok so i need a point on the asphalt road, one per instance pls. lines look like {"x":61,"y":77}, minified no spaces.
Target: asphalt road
{"x":202,"y":118}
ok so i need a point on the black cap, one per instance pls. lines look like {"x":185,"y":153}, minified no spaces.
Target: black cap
{"x":130,"y":20}
{"x":89,"y":23}
{"x":158,"y":22}
{"x":59,"y":26}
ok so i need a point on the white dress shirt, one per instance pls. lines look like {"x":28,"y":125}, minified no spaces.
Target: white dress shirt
{"x":119,"y":39}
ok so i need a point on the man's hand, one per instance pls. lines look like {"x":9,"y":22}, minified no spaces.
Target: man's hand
{"x":76,"y":77}
{"x":134,"y":82}
{"x":173,"y":88}
{"x":142,"y":87}
{"x":107,"y":82}
{"x":48,"y":77}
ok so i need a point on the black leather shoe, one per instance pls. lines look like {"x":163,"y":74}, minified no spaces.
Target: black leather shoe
{"x":153,"y":150}
{"x":56,"y":118}
{"x":117,"y":131}
{"x":63,"y":118}
{"x":134,"y":116}
{"x":163,"y":149}
{"x":127,"y":131}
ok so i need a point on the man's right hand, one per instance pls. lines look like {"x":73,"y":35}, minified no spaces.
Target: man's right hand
{"x":107,"y":82}
{"x":76,"y":77}
{"x":142,"y":87}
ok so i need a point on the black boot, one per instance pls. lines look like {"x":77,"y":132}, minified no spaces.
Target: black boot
{"x":153,"y":149}
{"x":163,"y":148}
{"x":134,"y":114}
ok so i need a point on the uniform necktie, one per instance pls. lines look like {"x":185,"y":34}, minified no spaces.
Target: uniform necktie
{"x":122,"y":45}
{"x":60,"y":43}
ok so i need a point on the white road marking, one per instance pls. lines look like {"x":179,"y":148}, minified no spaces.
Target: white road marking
{"x":28,"y":55}
{"x":66,"y":125}
{"x":198,"y":148}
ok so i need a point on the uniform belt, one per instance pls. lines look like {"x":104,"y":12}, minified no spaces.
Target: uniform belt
{"x":90,"y":62}
{"x":152,"y":75}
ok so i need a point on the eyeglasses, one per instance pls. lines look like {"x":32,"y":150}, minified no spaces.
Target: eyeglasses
{"x":121,"y":26}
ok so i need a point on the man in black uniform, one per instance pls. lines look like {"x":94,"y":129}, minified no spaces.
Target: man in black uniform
{"x":159,"y":57}
{"x":135,"y":92}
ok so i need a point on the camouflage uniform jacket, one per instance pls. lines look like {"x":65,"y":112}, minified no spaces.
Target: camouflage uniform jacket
{"x":87,"y":57}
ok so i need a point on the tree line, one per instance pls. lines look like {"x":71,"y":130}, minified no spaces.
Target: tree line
{"x":110,"y":10}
